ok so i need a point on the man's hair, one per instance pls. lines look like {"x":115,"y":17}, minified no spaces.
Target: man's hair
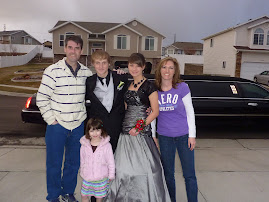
{"x":137,"y":58}
{"x":100,"y":55}
{"x":77,"y":39}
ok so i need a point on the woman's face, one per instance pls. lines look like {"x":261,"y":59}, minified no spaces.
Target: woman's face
{"x":168,"y":70}
{"x":135,"y":70}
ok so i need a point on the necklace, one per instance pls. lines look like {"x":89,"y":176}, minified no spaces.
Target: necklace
{"x":136,"y":84}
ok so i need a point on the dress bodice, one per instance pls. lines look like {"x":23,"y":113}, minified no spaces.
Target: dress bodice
{"x":137,"y":104}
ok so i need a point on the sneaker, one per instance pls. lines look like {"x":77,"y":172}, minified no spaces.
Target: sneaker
{"x":69,"y":198}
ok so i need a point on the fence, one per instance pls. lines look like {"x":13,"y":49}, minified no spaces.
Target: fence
{"x":31,"y":50}
{"x":8,"y":61}
{"x":190,"y":59}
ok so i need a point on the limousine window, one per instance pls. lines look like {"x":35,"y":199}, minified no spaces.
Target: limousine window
{"x":250,"y":90}
{"x":212,"y":89}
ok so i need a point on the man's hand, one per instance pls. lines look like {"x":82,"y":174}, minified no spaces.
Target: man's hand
{"x":191,"y":143}
{"x":55,"y":122}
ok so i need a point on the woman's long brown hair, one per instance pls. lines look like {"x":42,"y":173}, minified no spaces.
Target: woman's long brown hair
{"x":158,"y":76}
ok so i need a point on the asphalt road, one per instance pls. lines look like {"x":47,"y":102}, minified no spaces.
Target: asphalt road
{"x":10,"y":119}
{"x":11,"y":124}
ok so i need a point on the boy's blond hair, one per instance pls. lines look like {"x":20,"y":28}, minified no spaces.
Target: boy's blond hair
{"x":100,"y":55}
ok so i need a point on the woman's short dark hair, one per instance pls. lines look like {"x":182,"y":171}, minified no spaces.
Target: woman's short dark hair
{"x":95,"y":124}
{"x":137,"y":58}
{"x":77,"y":39}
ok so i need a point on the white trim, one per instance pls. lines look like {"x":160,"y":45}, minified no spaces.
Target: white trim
{"x":145,"y":26}
{"x":73,"y":23}
{"x":137,"y":44}
{"x":120,"y":26}
{"x":232,"y":28}
{"x":128,"y":42}
{"x":17,"y":32}
{"x":143,"y":43}
{"x":258,"y":24}
{"x":155,"y":47}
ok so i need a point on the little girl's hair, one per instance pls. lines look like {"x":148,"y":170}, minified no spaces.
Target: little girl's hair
{"x":95,"y":124}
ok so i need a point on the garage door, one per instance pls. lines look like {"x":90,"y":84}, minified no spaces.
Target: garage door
{"x":249,"y":69}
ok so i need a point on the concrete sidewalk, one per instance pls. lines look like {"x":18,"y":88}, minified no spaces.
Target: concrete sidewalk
{"x":227,"y":170}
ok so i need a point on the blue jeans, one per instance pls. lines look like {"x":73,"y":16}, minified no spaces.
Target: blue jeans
{"x":59,"y":139}
{"x":168,"y":146}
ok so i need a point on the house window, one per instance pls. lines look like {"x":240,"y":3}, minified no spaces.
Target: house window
{"x":267,"y":38}
{"x":96,"y":45}
{"x":199,"y":52}
{"x":211,"y":42}
{"x":92,"y":35}
{"x":28,"y":40}
{"x":121,"y":41}
{"x":181,"y":52}
{"x":12,"y":37}
{"x":61,"y":40}
{"x":170,"y":51}
{"x":224,"y":64}
{"x":149,"y":43}
{"x":258,"y":37}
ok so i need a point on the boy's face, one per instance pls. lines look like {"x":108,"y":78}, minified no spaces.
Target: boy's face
{"x":101,"y":67}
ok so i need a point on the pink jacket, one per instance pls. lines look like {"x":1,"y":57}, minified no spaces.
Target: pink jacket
{"x":98,"y":165}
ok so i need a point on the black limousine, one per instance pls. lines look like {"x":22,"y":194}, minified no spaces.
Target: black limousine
{"x":215,"y":99}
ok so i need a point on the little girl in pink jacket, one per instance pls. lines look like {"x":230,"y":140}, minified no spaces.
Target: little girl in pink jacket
{"x":97,"y":166}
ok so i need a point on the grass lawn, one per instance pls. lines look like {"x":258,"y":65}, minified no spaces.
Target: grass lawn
{"x":7,"y":73}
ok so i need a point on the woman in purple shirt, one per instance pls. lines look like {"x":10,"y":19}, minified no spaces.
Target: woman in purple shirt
{"x":176,"y":126}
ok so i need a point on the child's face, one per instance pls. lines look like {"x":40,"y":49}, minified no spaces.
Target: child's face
{"x":95,"y":134}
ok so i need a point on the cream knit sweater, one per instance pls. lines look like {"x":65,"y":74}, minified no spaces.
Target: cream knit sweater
{"x":61,"y":96}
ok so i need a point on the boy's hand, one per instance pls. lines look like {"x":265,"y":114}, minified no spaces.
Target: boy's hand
{"x":119,"y":71}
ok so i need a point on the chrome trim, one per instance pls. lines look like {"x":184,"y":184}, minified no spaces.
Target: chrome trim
{"x":27,"y":111}
{"x":232,"y":98}
{"x":234,"y":115}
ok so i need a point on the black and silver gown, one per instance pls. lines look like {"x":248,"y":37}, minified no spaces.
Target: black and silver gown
{"x":139,"y":173}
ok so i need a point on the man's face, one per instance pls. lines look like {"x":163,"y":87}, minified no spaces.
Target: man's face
{"x":101,"y":67}
{"x":73,"y":52}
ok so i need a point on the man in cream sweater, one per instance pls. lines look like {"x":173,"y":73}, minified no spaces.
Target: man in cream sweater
{"x":60,"y":99}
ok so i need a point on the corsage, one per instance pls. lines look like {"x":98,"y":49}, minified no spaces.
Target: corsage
{"x":120,"y":86}
{"x":140,"y":125}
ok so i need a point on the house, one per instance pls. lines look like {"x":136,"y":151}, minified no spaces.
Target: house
{"x":17,"y":37}
{"x":120,"y":40}
{"x":184,"y":48}
{"x":240,"y":51}
{"x":189,"y":56}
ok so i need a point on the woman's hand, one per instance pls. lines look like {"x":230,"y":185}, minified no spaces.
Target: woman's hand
{"x":133,"y":132}
{"x":191,"y":143}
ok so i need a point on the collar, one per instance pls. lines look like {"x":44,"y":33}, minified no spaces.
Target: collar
{"x":72,"y":70}
{"x":107,"y":78}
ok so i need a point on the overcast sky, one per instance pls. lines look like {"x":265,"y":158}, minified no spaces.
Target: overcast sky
{"x":190,"y":20}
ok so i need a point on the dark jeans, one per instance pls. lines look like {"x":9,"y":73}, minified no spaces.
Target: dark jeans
{"x":59,"y":139}
{"x":168,"y":147}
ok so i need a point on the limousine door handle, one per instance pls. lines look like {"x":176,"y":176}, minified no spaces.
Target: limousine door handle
{"x":253,"y":104}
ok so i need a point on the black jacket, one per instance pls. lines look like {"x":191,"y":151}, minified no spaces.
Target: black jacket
{"x":113,"y":120}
